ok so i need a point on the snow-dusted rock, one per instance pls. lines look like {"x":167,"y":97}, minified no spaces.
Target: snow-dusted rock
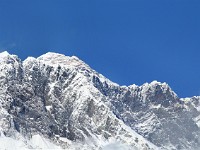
{"x":59,"y":100}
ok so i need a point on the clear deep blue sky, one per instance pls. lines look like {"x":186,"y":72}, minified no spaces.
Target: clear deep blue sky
{"x":128,"y":41}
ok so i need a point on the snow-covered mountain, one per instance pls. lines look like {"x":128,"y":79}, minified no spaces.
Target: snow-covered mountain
{"x":59,"y":102}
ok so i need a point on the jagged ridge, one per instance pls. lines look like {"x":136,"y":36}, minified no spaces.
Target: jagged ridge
{"x":64,"y":100}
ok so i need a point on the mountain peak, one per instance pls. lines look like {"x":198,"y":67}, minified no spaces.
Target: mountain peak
{"x":155,"y":84}
{"x":4,"y":53}
{"x":56,"y":59}
{"x":7,"y":58}
{"x":53,"y":56}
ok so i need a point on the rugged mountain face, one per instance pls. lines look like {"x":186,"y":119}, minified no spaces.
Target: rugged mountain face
{"x":62,"y":101}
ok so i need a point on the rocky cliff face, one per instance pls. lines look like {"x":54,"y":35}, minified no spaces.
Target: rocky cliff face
{"x":72,"y":106}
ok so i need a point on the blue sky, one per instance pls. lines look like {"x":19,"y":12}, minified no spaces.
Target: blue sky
{"x":128,"y":41}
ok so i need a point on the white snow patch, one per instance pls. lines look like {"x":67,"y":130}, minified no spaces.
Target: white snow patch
{"x":48,"y":108}
{"x":37,"y":142}
{"x":116,"y":146}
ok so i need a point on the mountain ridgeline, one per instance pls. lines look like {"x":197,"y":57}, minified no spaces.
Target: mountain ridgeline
{"x":59,"y":102}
